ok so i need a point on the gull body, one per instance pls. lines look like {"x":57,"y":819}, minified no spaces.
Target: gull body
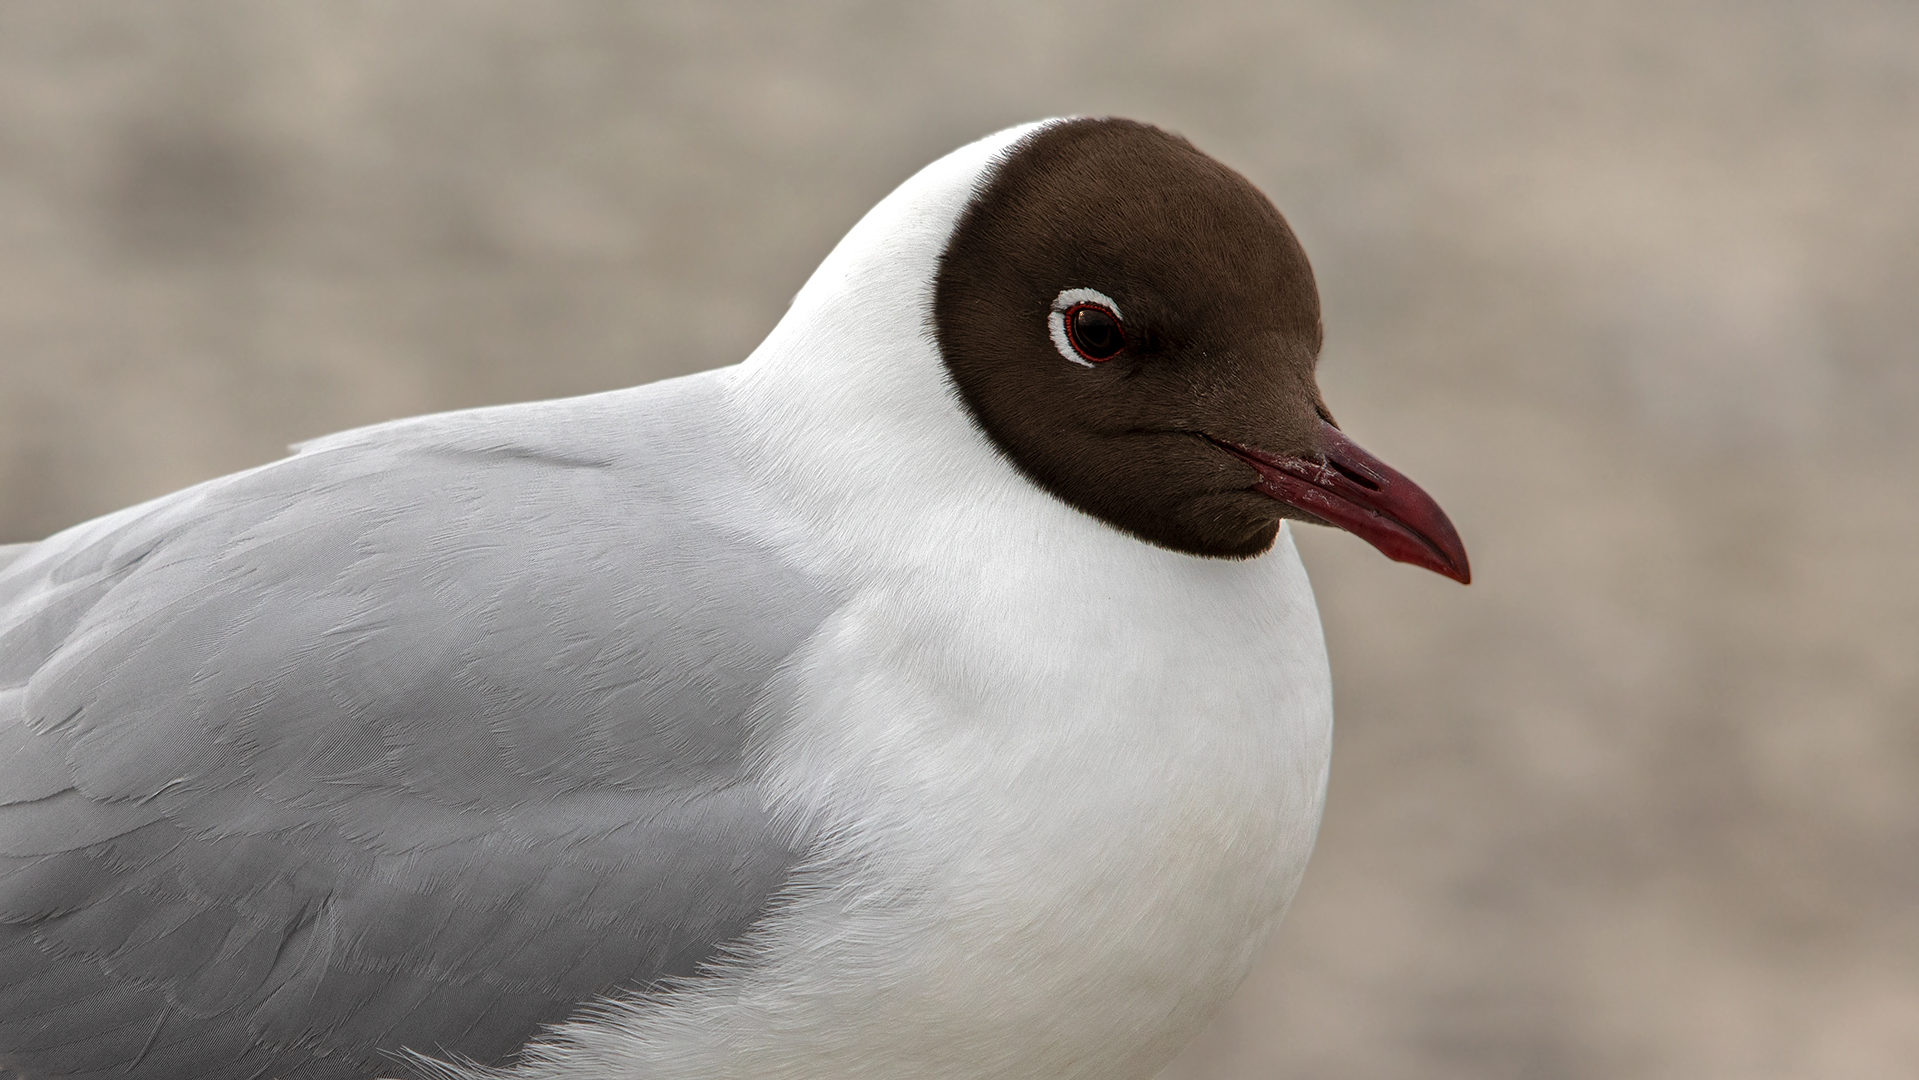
{"x":787,"y":721}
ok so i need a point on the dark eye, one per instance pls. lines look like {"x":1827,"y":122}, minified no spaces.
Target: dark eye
{"x":1094,"y":331}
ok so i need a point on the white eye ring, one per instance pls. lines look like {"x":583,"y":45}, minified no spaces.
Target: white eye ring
{"x":1056,"y":319}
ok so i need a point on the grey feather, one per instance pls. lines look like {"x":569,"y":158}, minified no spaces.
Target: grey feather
{"x":421,"y":738}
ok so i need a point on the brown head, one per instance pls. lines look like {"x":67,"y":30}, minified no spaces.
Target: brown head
{"x":1135,"y":326}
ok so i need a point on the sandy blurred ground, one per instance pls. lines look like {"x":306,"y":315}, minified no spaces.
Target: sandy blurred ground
{"x":1633,"y":288}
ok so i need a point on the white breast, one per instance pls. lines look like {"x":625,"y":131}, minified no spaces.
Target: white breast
{"x":1067,"y":818}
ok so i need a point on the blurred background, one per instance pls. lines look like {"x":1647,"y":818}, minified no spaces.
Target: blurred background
{"x":1632,"y":288}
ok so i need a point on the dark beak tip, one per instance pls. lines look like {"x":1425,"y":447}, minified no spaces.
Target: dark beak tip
{"x":1447,"y":551}
{"x":1431,"y":546}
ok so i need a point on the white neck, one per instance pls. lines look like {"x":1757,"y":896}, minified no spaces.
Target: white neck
{"x":838,"y":404}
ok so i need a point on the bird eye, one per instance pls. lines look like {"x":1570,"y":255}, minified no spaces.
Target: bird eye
{"x":1086,"y":326}
{"x":1095,"y":332}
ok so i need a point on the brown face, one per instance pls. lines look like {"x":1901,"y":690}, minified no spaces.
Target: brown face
{"x":1135,"y":326}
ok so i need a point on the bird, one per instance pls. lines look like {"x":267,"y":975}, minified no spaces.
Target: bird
{"x":936,"y":693}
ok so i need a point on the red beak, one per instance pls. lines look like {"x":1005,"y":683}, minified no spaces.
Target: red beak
{"x":1356,"y":491}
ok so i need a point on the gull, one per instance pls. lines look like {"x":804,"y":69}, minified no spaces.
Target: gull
{"x":937,"y":693}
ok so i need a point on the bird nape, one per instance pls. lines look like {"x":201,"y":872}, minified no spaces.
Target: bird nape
{"x":936,"y":693}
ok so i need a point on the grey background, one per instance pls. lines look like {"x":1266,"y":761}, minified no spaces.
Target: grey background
{"x":1630,"y":287}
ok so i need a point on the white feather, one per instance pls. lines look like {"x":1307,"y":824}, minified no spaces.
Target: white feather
{"x":1065,"y":782}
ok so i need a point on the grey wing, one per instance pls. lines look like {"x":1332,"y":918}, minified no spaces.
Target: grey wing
{"x":377,"y":748}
